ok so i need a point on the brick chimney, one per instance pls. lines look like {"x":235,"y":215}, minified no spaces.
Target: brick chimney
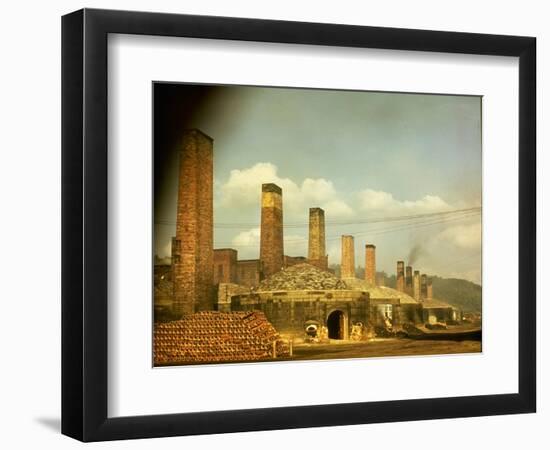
{"x":370,"y":264}
{"x":416,"y":285}
{"x":271,"y":229}
{"x":348,"y":257}
{"x":423,"y":286}
{"x":429,"y":289}
{"x":409,"y":280}
{"x":316,"y":244}
{"x":192,"y":247}
{"x":400,"y":276}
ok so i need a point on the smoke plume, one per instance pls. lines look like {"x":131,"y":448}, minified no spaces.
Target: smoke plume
{"x":415,"y":254}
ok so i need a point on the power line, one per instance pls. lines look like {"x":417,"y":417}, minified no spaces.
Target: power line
{"x":379,"y":231}
{"x":413,"y":223}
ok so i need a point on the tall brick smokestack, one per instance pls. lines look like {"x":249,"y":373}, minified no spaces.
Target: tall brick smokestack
{"x":175,"y":256}
{"x":316,"y":244}
{"x":193,"y":244}
{"x":409,"y":280}
{"x":370,"y":264}
{"x":416,"y":285}
{"x":400,"y":276}
{"x":348,"y":257}
{"x":429,"y":289}
{"x":423,"y":286}
{"x":271,"y":231}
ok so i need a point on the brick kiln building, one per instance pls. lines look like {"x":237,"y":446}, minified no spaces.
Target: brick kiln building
{"x":303,"y":294}
{"x":295,"y":294}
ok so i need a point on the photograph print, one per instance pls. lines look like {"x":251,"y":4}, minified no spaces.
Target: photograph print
{"x":313,"y":224}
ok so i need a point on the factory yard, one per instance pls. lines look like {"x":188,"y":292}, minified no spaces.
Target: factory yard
{"x":382,"y":347}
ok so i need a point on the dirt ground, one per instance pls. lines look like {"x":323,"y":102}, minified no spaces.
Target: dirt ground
{"x":382,"y":347}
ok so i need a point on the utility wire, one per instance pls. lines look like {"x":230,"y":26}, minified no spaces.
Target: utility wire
{"x":376,"y":232}
{"x":374,"y":220}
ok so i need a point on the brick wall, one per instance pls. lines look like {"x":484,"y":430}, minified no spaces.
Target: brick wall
{"x":249,"y":272}
{"x":193,"y":274}
{"x":289,"y":311}
{"x":225,"y":265}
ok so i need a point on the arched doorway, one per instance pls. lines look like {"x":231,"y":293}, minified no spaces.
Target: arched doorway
{"x":336,"y":325}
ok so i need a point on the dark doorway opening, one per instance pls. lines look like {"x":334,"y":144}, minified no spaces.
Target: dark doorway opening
{"x":335,"y":325}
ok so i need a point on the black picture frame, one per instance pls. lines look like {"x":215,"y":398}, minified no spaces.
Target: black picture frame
{"x":84,"y":224}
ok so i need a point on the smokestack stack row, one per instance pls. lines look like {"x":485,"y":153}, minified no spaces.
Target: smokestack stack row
{"x":272,"y":248}
{"x":400,"y":276}
{"x":417,"y":285}
{"x":370,"y":264}
{"x":348,"y":257}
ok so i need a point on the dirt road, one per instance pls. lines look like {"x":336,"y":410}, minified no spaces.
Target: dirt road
{"x":383,"y":347}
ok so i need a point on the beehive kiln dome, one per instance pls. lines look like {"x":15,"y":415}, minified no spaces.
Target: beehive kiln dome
{"x":376,"y":292}
{"x":301,"y":277}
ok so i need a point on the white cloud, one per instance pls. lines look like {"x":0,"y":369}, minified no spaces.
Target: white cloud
{"x":248,"y":243}
{"x":338,"y":208}
{"x":316,"y":191}
{"x":247,"y":238}
{"x":243,"y":188}
{"x":462,"y":236}
{"x":384,"y":202}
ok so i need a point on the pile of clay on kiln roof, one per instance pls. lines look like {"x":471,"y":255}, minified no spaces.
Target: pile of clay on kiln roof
{"x":302,"y":277}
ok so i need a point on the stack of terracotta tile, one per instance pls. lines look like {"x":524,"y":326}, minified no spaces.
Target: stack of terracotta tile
{"x":213,"y":337}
